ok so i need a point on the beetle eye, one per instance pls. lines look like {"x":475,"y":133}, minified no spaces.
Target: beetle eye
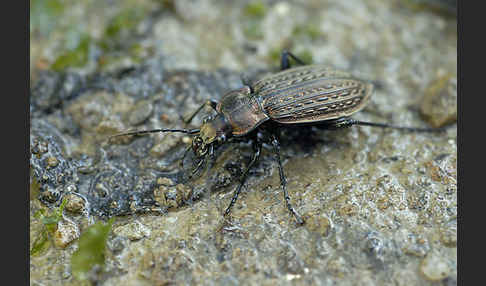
{"x":196,"y":143}
{"x":222,"y":138}
{"x":207,"y":119}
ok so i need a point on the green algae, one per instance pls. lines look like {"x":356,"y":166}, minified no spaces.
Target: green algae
{"x":125,"y":20}
{"x":41,"y":243}
{"x":120,"y":25}
{"x":76,"y":57}
{"x":49,"y":225}
{"x":254,"y":13}
{"x":91,"y":251}
{"x":255,"y":9}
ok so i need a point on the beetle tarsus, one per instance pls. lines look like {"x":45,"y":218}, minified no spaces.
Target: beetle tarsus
{"x":283,"y":180}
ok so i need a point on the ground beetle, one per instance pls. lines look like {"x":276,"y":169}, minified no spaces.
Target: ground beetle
{"x":304,"y":95}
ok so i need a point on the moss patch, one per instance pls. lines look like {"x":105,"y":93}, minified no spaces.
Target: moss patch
{"x":307,"y":30}
{"x":76,"y":57}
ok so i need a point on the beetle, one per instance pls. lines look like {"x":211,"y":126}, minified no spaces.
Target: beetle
{"x":303,"y":95}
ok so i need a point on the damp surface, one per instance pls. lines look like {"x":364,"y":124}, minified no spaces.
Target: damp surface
{"x":380,"y":205}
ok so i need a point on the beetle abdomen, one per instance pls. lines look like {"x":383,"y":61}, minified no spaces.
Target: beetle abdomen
{"x":311,"y":94}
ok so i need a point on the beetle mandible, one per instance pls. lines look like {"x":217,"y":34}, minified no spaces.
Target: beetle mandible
{"x":304,"y":95}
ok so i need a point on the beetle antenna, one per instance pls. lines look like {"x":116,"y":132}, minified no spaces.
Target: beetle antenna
{"x":186,"y":131}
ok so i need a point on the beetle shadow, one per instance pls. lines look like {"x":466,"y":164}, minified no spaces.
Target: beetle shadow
{"x":302,"y":139}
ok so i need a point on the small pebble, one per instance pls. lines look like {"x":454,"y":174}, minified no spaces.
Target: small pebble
{"x":52,"y":162}
{"x":133,"y":230}
{"x":142,"y":110}
{"x":337,"y":267}
{"x":169,"y":141}
{"x":74,"y":204}
{"x":434,"y":267}
{"x":316,"y":223}
{"x":66,"y":232}
{"x":439,"y":105}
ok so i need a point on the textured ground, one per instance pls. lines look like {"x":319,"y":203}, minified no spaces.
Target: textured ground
{"x":380,"y":205}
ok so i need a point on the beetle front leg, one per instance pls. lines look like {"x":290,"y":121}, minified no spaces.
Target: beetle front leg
{"x":212,"y":103}
{"x":257,"y":147}
{"x":283,"y":180}
{"x":285,"y":62}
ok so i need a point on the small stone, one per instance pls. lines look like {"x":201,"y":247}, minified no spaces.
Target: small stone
{"x":382,"y":203}
{"x":169,"y":196}
{"x":448,"y":235}
{"x":337,"y":267}
{"x":117,"y":244}
{"x":142,"y":110}
{"x":66,"y":232}
{"x":74,"y":204}
{"x":316,"y":223}
{"x":39,"y":147}
{"x":52,"y":162}
{"x":184,"y":191}
{"x":186,"y":140}
{"x":50,"y":194}
{"x":165,"y":118}
{"x":348,"y":210}
{"x":109,"y":126}
{"x":415,"y":245}
{"x":439,"y":106}
{"x":434,"y":267}
{"x":159,"y":195}
{"x":169,"y":141}
{"x":164,"y":181}
{"x":133,"y":231}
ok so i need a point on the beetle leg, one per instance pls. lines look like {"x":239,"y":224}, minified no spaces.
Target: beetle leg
{"x":283,"y":180}
{"x":257,"y":147}
{"x":247,"y":82}
{"x":284,"y":60}
{"x":348,"y":122}
{"x":212,"y":103}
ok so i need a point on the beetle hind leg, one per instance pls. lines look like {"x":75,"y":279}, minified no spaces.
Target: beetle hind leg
{"x":346,"y":122}
{"x":285,"y":61}
{"x":283,"y":180}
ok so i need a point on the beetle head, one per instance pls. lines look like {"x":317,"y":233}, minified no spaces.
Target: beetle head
{"x":214,"y":131}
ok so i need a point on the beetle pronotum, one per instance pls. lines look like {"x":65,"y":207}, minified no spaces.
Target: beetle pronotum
{"x":309,"y":94}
